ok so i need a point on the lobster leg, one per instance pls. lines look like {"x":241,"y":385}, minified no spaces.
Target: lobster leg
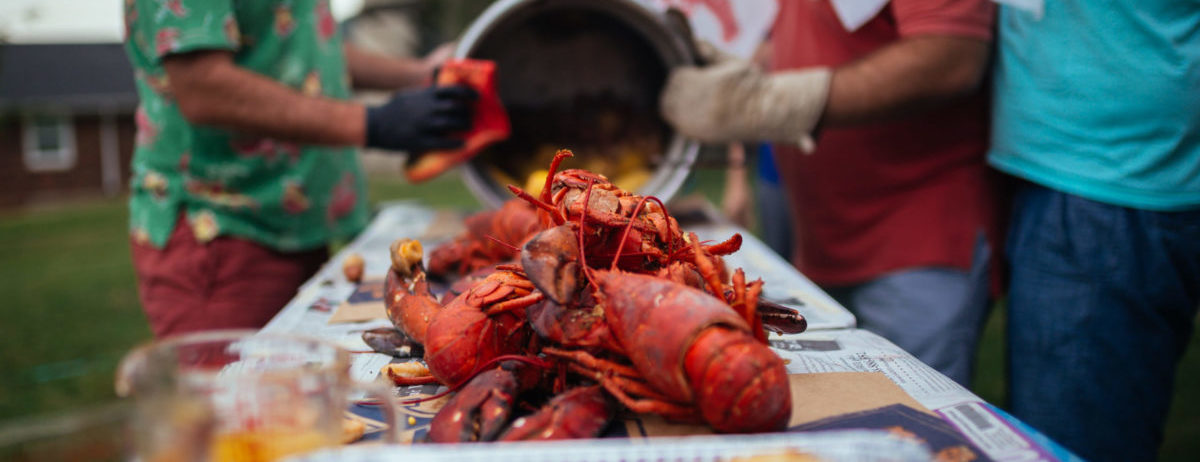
{"x":725,"y":247}
{"x":579,"y":413}
{"x":744,"y":299}
{"x":752,"y":296}
{"x":649,"y":406}
{"x":618,"y":380}
{"x":512,"y":304}
{"x":592,"y":362}
{"x":627,"y":385}
{"x":706,"y":268}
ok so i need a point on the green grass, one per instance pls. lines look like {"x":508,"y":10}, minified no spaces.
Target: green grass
{"x":445,"y":191}
{"x":70,"y":309}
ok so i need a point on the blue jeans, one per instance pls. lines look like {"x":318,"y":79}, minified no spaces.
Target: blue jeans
{"x":1101,"y":305}
{"x":934,"y":313}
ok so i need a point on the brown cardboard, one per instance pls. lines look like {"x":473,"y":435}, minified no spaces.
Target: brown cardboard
{"x":844,"y":392}
{"x":814,"y":397}
{"x":365,"y":304}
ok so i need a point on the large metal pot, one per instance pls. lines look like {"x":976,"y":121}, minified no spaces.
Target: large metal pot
{"x":584,"y":75}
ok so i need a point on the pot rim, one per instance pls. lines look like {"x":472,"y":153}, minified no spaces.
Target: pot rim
{"x":673,"y":50}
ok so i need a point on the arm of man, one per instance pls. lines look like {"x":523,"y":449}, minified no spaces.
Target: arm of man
{"x":912,"y":74}
{"x":369,"y":70}
{"x":943,"y":53}
{"x":211,"y":90}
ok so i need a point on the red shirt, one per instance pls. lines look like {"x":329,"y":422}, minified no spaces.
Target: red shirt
{"x":912,"y":192}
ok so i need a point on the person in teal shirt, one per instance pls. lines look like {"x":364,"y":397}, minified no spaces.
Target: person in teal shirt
{"x":1097,"y":108}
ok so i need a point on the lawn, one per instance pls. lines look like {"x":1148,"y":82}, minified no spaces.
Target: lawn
{"x":72,"y":310}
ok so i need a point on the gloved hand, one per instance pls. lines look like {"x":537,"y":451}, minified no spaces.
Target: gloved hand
{"x":733,"y":100}
{"x":421,"y":120}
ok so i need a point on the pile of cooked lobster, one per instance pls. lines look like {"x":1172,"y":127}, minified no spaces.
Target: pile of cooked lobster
{"x":582,"y":302}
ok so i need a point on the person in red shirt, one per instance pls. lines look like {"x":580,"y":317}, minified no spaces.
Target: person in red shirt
{"x":894,"y":206}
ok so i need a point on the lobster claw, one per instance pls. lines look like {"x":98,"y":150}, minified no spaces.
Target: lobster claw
{"x":410,"y":307}
{"x":390,"y":341}
{"x":550,"y":262}
{"x":480,"y":410}
{"x":579,"y":413}
{"x":781,"y":319}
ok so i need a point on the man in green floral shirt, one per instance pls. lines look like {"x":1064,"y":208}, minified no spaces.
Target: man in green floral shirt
{"x":245,"y":164}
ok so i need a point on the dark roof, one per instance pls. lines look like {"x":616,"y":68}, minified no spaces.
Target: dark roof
{"x":85,"y":76}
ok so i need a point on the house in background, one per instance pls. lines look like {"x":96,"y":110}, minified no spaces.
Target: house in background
{"x":67,"y":99}
{"x":66,"y":121}
{"x":67,"y":94}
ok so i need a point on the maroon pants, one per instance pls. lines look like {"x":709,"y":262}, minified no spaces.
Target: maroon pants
{"x":227,"y":283}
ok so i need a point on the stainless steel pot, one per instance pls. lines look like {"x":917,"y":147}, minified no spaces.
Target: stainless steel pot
{"x":583,"y":75}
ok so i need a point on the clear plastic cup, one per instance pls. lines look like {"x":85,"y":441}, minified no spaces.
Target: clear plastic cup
{"x":241,"y":396}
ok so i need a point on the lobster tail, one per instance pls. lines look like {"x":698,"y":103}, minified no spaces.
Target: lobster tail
{"x":740,"y":384}
{"x":657,"y":320}
{"x":696,"y":349}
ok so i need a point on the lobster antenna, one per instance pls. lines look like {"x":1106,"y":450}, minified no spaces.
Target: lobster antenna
{"x":558,"y":158}
{"x":628,"y":227}
{"x":587,"y":196}
{"x":537,"y":203}
{"x":661,"y":205}
{"x":504,"y":244}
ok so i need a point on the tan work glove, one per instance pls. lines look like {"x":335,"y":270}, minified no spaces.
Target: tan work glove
{"x":734,"y":100}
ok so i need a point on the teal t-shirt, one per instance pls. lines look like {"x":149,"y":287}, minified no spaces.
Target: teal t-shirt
{"x":1102,"y":100}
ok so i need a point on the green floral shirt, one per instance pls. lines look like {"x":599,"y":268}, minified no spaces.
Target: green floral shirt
{"x":283,"y":195}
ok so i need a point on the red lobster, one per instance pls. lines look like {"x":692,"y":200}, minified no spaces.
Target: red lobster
{"x":486,"y":321}
{"x":491,"y":237}
{"x":696,"y":353}
{"x":696,"y":349}
{"x":661,"y":330}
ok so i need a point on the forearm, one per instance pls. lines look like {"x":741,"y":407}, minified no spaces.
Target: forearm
{"x":910,"y":75}
{"x":370,"y":70}
{"x":211,"y":90}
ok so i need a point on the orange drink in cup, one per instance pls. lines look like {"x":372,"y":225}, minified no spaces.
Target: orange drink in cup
{"x":240,"y":396}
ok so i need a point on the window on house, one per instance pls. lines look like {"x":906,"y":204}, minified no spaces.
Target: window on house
{"x":49,"y":143}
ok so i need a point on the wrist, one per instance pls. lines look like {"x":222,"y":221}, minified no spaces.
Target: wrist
{"x":368,"y":130}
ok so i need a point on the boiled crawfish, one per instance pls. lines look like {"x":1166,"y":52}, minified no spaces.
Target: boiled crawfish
{"x":459,"y":332}
{"x":610,"y":303}
{"x":491,"y":237}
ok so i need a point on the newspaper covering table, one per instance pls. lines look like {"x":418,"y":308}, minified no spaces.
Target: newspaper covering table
{"x":862,"y":446}
{"x":830,"y":345}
